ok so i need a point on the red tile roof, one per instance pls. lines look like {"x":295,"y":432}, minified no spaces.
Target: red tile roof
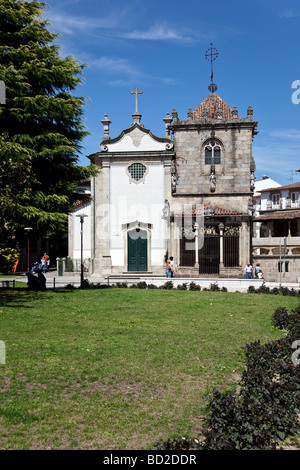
{"x":279,"y":188}
{"x":279,"y":215}
{"x":212,"y":103}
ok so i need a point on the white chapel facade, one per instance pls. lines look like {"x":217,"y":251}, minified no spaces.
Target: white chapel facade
{"x":187,"y":194}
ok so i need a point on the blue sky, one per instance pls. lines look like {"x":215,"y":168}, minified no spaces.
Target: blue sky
{"x":159,"y":46}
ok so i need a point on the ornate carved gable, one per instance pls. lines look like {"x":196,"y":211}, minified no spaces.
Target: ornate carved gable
{"x":212,"y":108}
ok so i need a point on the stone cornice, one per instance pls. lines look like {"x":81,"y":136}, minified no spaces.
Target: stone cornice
{"x":121,"y":156}
{"x":208,"y":124}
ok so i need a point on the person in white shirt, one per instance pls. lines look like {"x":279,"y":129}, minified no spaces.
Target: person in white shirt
{"x":248,"y":271}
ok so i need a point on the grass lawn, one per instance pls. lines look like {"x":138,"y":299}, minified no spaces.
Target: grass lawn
{"x":120,"y":368}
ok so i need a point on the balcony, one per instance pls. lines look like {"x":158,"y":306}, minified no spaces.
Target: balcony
{"x":271,"y":245}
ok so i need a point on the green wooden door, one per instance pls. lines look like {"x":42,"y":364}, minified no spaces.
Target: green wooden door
{"x":137,"y":250}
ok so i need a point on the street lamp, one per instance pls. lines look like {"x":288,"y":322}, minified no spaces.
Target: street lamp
{"x":28,"y":232}
{"x":81,"y":250}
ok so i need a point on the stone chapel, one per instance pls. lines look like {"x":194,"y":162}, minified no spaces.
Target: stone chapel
{"x":186,"y":195}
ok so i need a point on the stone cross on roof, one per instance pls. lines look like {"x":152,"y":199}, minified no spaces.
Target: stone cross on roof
{"x":136,"y":93}
{"x":136,"y":115}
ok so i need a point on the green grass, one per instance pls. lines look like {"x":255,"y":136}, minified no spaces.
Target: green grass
{"x":120,"y":368}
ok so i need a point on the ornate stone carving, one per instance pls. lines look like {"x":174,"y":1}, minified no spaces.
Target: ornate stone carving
{"x":169,"y":146}
{"x":166,"y":210}
{"x":219,"y":111}
{"x":174,"y":176}
{"x":103,"y":147}
{"x":212,"y":181}
{"x":252,"y":181}
{"x":205,"y":112}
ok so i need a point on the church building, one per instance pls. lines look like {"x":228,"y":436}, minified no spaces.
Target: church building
{"x":186,"y":195}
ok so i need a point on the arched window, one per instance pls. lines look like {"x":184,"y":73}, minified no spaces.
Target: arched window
{"x":212,"y":153}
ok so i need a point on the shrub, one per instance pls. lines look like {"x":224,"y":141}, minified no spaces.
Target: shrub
{"x":263,"y":289}
{"x":284,"y":290}
{"x":167,"y":285}
{"x":266,"y":410}
{"x":194,"y":286}
{"x":251,"y":290}
{"x":280,"y":318}
{"x":182,"y":286}
{"x":152,"y":286}
{"x":178,"y":443}
{"x":142,"y":285}
{"x":70,"y":286}
{"x":214,"y":286}
{"x":86,"y":284}
{"x":274,"y":291}
{"x":122,"y":285}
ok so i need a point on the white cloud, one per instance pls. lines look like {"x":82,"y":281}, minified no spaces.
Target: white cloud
{"x":288,"y":14}
{"x":116,"y":65}
{"x":160,"y":32}
{"x":278,"y":153}
{"x":290,"y":134}
{"x":68,"y":24}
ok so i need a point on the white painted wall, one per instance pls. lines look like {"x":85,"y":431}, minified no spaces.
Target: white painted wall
{"x":136,"y":140}
{"x":144,"y":202}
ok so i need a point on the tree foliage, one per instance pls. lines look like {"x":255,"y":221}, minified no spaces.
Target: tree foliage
{"x":41,"y":124}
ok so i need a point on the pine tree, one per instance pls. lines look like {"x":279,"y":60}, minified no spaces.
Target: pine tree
{"x":41,"y":124}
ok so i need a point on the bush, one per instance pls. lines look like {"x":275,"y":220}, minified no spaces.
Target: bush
{"x":251,"y":290}
{"x":182,"y":286}
{"x":263,"y":289}
{"x":142,"y":285}
{"x":122,"y":285}
{"x":167,"y":285}
{"x":152,"y":286}
{"x":280,"y":318}
{"x":274,"y":291}
{"x":194,"y":286}
{"x":70,"y":286}
{"x":266,"y":410}
{"x":214,"y":286}
{"x":284,"y":290}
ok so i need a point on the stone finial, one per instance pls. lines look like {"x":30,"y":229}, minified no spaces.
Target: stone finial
{"x":250,"y":112}
{"x":235,"y":113}
{"x":167,"y":120}
{"x":174,"y":115}
{"x":190,"y":114}
{"x":106,"y":122}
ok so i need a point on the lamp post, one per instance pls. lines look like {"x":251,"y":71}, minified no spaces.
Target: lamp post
{"x":81,"y":246}
{"x":27,"y":229}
